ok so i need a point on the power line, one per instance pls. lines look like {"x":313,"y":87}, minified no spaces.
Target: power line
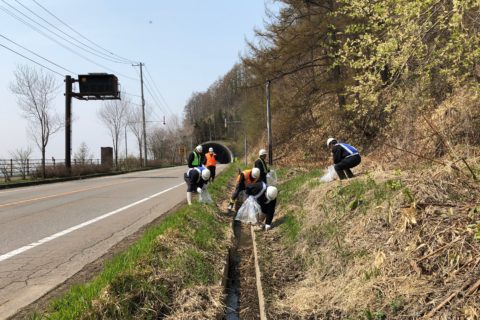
{"x":32,"y":52}
{"x":94,"y":52}
{"x":82,"y":36}
{"x":38,"y":63}
{"x":61,"y":44}
{"x":158,"y":91}
{"x":132,"y":94}
{"x":155,"y":99}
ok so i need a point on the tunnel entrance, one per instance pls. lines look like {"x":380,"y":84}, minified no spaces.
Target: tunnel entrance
{"x":224,"y":154}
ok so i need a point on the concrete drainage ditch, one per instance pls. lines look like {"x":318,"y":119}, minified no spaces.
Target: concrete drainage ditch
{"x":242,"y":296}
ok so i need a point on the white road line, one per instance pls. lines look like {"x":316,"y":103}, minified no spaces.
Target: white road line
{"x":79,"y":226}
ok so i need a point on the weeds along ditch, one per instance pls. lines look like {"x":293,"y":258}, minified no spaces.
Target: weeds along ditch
{"x":387,"y":244}
{"x":174,"y":271}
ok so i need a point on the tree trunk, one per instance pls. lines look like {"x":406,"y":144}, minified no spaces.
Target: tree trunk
{"x":140,"y":148}
{"x":43,"y":162}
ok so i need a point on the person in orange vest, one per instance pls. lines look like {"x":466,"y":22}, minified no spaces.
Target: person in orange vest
{"x":211,"y":159}
{"x":244,"y":179}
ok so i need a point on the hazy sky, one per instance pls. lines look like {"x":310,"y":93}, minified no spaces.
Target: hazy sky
{"x":186,"y":46}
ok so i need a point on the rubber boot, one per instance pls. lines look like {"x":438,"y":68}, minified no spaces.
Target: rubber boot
{"x":189,"y":198}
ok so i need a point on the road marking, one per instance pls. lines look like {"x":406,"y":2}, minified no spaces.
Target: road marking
{"x":60,"y":194}
{"x":79,"y":226}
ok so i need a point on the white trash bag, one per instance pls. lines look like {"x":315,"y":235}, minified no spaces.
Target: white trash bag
{"x":249,"y":211}
{"x":205,"y":196}
{"x":272,"y":178}
{"x":330,"y":175}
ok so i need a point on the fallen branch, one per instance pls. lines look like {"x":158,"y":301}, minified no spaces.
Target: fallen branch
{"x":438,"y":250}
{"x":444,"y":302}
{"x":473,"y":288}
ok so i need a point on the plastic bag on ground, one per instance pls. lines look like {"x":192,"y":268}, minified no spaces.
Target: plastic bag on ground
{"x":249,"y":211}
{"x":272,"y":178}
{"x":330,"y":175}
{"x":205,"y":196}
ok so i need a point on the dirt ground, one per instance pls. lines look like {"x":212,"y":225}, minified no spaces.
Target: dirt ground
{"x":278,"y":271}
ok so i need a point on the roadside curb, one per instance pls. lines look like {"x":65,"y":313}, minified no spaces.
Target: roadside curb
{"x":261,"y":299}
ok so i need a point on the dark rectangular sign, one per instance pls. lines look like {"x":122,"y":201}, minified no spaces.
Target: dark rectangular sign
{"x":98,"y":85}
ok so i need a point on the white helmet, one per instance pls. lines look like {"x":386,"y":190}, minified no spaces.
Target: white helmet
{"x":199,"y":148}
{"x":262,"y":152}
{"x":205,"y":174}
{"x":210,"y":149}
{"x":255,"y":173}
{"x":271,"y":193}
{"x":330,"y":140}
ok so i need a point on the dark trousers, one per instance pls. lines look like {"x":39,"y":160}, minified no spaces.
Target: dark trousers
{"x":212,"y":172}
{"x":269,"y":210}
{"x":343,"y":167}
{"x":191,"y":187}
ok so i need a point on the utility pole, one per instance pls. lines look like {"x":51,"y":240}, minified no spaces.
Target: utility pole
{"x":126,"y":146}
{"x":143,"y":119}
{"x":140,"y":64}
{"x":269,"y":124}
{"x":68,"y":124}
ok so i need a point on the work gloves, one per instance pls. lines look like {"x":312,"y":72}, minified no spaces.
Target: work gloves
{"x":231,"y":204}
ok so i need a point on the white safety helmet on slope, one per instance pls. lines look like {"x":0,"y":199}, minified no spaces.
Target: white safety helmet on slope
{"x":199,"y":148}
{"x":205,"y":174}
{"x":330,"y":140}
{"x":210,"y":149}
{"x":262,"y":152}
{"x":255,"y":173}
{"x":271,"y":193}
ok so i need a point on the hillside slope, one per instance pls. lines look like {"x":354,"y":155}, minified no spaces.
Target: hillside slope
{"x":388,"y":244}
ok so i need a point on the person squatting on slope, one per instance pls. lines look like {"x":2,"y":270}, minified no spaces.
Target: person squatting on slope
{"x":261,"y":164}
{"x":345,"y":157}
{"x":196,"y":179}
{"x":211,"y":163}
{"x":196,"y":158}
{"x":266,"y":197}
{"x":244,"y":179}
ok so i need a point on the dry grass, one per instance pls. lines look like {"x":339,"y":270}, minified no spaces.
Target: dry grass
{"x":394,"y":244}
{"x":180,"y":279}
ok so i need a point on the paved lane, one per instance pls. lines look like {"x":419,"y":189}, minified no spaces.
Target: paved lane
{"x":49,"y":232}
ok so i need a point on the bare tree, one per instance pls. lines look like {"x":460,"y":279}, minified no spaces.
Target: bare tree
{"x":35,"y":91}
{"x":21,"y":158}
{"x":83,"y":154}
{"x":166,"y":142}
{"x":5,"y":170}
{"x":135,"y":123}
{"x":114,"y":114}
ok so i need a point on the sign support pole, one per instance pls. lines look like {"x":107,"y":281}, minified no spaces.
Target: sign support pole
{"x":68,"y":124}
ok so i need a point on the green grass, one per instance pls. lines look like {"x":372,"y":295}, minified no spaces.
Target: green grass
{"x":219,"y":188}
{"x":202,"y":232}
{"x":291,"y":225}
{"x":289,"y":188}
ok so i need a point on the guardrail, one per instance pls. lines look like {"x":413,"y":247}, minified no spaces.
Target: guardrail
{"x":27,"y":167}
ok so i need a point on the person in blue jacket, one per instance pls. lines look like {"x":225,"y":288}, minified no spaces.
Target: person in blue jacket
{"x":196,"y":179}
{"x":345,"y":157}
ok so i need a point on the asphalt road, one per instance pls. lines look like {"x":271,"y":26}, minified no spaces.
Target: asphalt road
{"x":49,"y":232}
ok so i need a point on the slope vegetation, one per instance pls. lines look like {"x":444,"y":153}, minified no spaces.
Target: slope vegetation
{"x":396,"y":244}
